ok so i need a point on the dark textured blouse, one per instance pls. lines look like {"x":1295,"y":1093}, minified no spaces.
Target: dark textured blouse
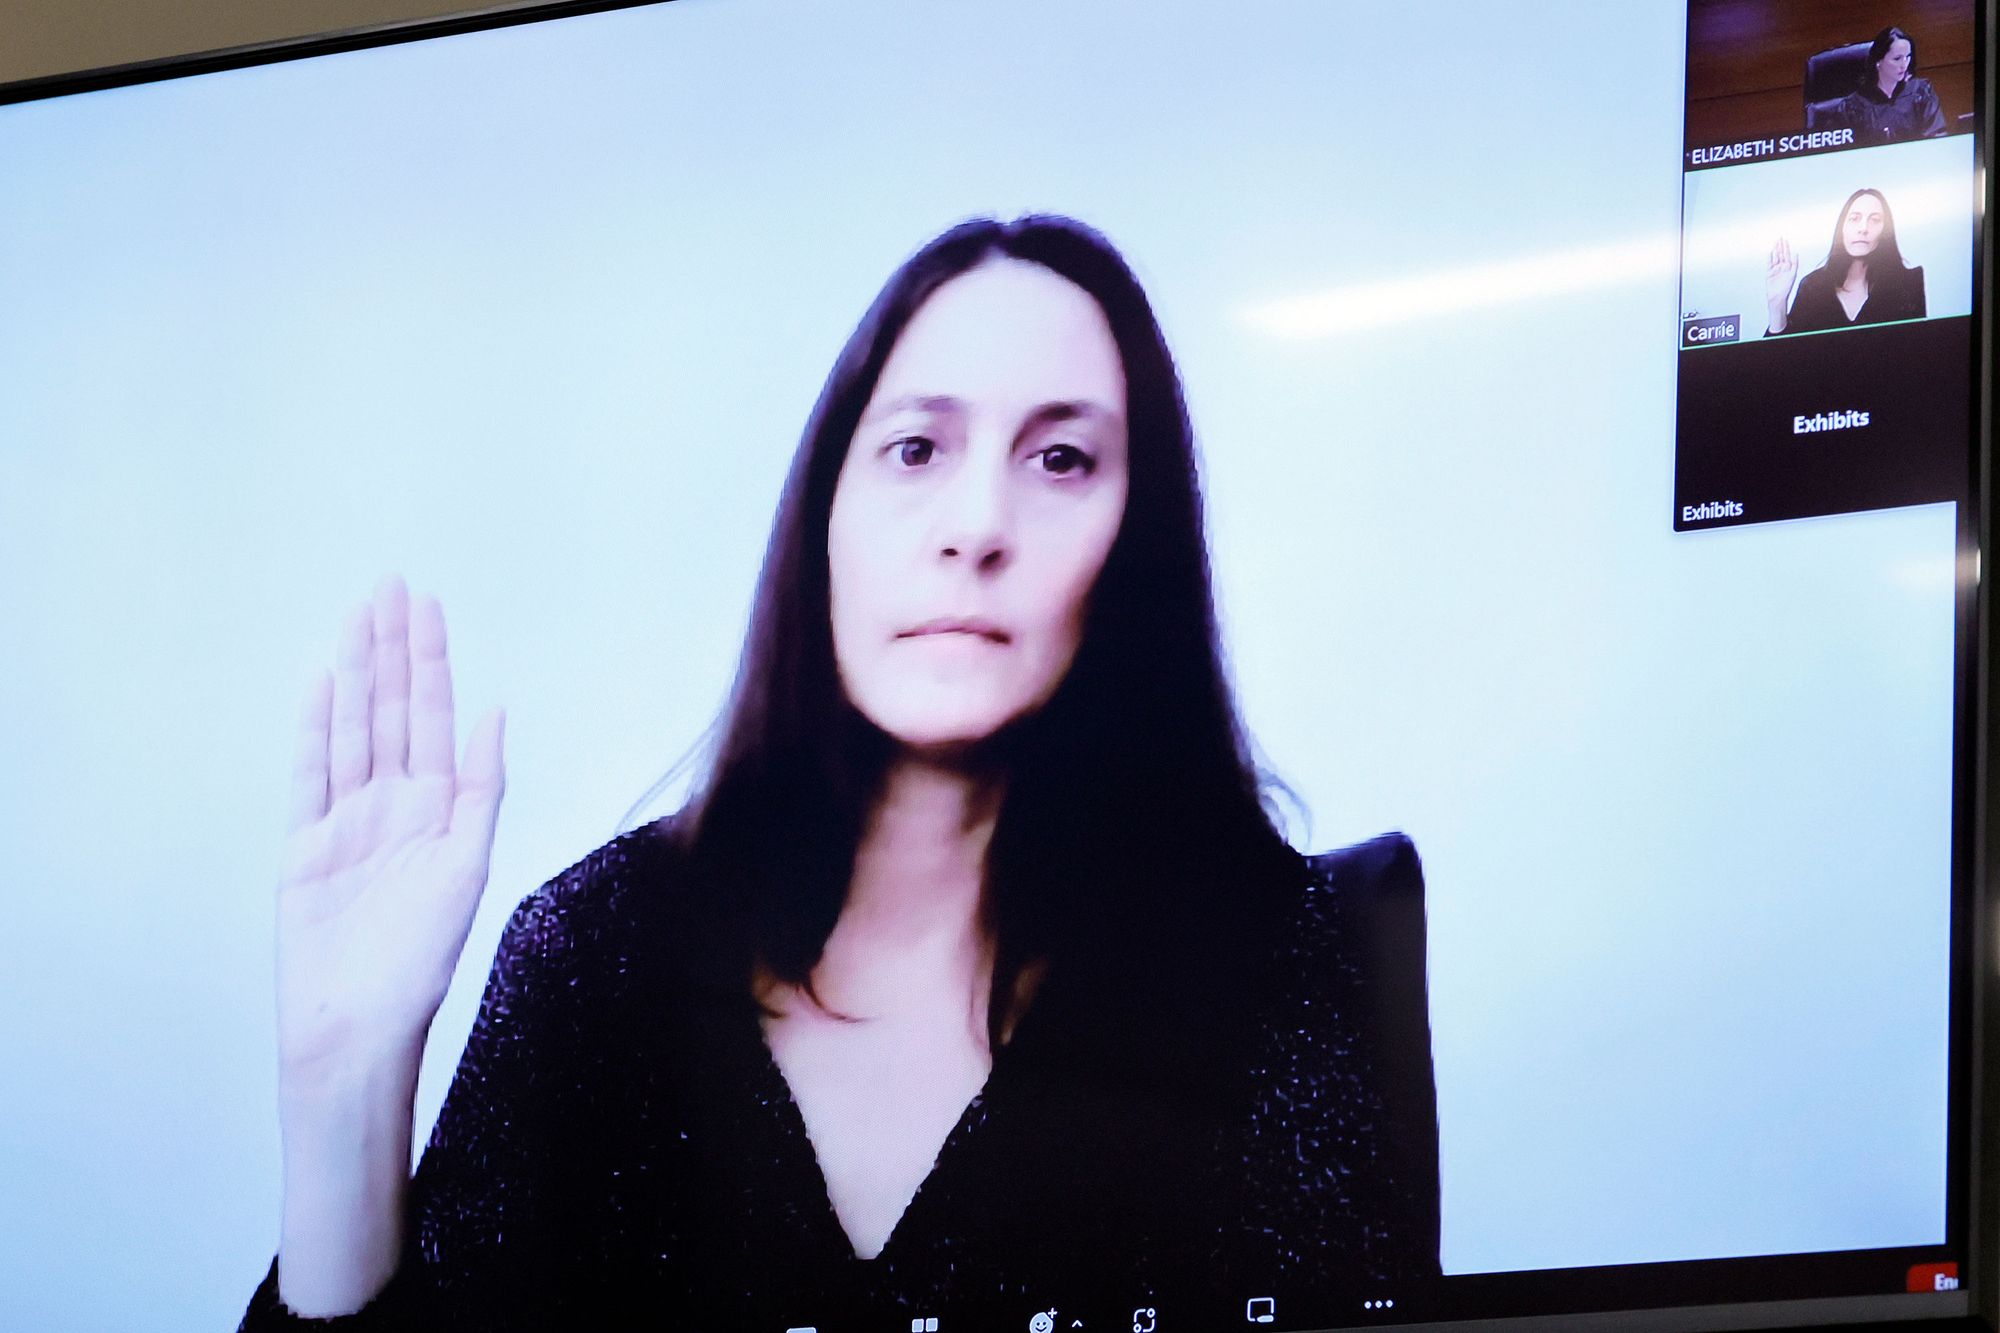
{"x":619,"y":1148}
{"x":1817,"y":306}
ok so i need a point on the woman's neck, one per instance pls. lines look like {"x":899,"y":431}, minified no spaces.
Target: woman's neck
{"x":1857,"y":276}
{"x":1887,"y":85}
{"x":913,"y":931}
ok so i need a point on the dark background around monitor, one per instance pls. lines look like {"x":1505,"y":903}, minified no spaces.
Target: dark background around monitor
{"x":52,"y":38}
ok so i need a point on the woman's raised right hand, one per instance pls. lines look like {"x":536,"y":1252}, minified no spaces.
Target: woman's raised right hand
{"x":1779,"y":275}
{"x":388,"y":848}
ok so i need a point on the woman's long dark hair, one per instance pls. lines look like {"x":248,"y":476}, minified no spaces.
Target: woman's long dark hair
{"x":1132,"y":811}
{"x":1886,"y":269}
{"x":1879,"y":48}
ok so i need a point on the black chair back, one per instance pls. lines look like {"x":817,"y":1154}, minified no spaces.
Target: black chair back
{"x":1830,"y":76}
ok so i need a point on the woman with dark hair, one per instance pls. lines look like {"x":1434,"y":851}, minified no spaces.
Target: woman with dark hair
{"x":1863,"y":281}
{"x":974,"y":976}
{"x":1891,"y":104}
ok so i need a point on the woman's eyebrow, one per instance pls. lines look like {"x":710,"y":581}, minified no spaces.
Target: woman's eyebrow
{"x":1079,"y":409}
{"x":1075,"y":409}
{"x":945,"y":404}
{"x":916,"y":402}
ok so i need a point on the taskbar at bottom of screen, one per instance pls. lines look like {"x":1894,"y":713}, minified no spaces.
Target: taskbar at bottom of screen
{"x":1920,"y":1284}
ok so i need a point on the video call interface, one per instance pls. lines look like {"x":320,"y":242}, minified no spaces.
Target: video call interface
{"x":1785,"y":420}
{"x":1620,"y":959}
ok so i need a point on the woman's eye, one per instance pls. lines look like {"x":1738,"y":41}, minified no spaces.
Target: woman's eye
{"x":1064,"y":459}
{"x":913,"y":451}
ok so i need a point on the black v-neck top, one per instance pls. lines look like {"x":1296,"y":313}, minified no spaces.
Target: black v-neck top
{"x":1891,"y":297}
{"x":619,"y":1148}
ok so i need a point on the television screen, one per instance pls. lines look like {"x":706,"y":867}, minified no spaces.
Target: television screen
{"x":880,"y":665}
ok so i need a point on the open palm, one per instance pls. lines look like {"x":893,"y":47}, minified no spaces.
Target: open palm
{"x":1780,"y":273}
{"x":389,"y":843}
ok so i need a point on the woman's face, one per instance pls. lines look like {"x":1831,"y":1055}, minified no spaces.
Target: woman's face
{"x":976,"y":505}
{"x":1861,"y":229}
{"x":1891,"y":68}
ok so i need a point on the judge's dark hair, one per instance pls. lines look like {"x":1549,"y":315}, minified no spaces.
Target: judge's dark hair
{"x":1879,"y":48}
{"x":1886,"y":268}
{"x":1133,"y":815}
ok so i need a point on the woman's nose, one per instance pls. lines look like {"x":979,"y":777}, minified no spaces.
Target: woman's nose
{"x":975,"y":520}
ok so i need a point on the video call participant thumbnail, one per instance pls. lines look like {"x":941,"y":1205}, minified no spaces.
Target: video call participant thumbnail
{"x":1891,"y":104}
{"x":1863,"y":281}
{"x":975,"y":967}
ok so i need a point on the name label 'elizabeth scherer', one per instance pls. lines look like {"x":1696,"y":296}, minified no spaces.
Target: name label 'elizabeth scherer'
{"x":1711,"y":509}
{"x":1749,"y":149}
{"x":1846,"y":419}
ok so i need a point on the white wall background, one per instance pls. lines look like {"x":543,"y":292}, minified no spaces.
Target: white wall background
{"x":535,"y":317}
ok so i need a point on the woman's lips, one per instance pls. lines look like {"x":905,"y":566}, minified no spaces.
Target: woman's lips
{"x":970,"y":627}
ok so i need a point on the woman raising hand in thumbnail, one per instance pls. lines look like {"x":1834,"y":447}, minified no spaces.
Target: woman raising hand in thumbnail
{"x":1863,"y":281}
{"x":974,"y":973}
